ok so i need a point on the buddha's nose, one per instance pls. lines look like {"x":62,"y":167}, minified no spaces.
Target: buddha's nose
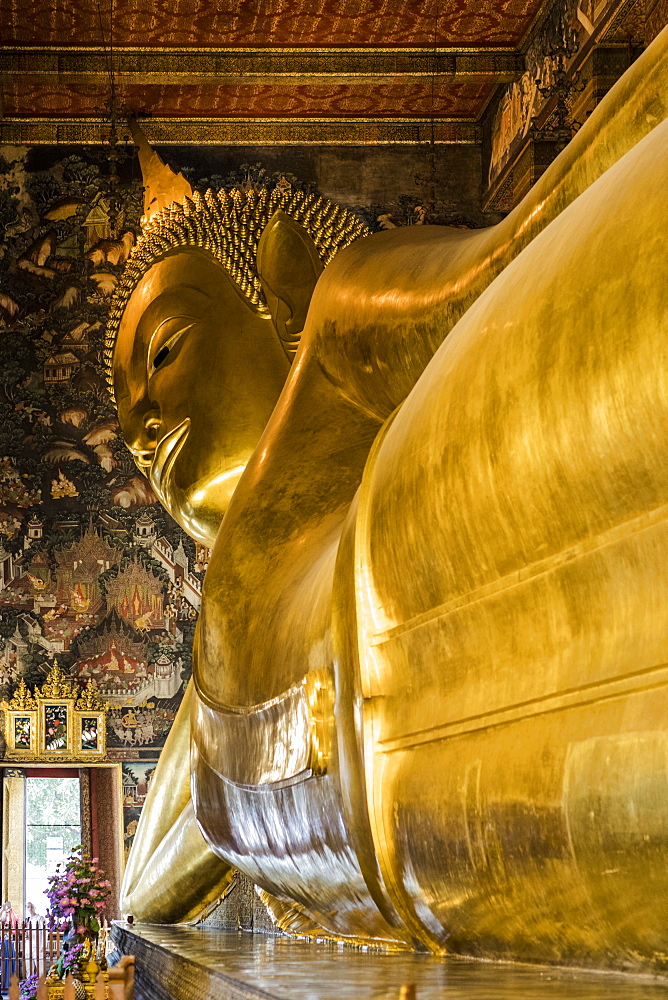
{"x":141,"y":433}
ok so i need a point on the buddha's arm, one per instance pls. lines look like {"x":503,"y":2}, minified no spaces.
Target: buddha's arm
{"x":171,"y":874}
{"x":378,"y":313}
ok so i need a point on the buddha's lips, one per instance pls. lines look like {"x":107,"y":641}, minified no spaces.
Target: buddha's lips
{"x":166,"y":453}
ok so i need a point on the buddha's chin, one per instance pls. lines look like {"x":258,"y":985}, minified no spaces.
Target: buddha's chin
{"x":199,"y":524}
{"x":197,"y":519}
{"x":197,"y":502}
{"x":199,"y":510}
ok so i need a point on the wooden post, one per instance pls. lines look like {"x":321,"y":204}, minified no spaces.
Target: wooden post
{"x":55,"y":954}
{"x":17,"y":950}
{"x":100,"y":987}
{"x":68,"y":992}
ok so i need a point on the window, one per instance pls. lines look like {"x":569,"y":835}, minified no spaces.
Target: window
{"x":53,"y":829}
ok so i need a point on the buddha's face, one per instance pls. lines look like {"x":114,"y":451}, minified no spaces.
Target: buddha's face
{"x":197,"y":373}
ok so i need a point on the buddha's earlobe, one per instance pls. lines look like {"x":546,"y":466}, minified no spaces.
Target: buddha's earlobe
{"x":288,"y":266}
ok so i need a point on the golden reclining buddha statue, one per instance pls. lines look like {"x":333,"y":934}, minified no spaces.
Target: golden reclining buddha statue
{"x":429,"y":701}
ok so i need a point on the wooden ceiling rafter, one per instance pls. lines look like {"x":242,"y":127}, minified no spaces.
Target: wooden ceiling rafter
{"x":247,"y":132}
{"x":237,"y":65}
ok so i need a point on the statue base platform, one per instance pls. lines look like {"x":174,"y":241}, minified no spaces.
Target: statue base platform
{"x":190,"y":963}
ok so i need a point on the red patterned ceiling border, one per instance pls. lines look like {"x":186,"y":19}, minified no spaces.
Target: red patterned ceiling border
{"x":248,"y":132}
{"x":440,"y":99}
{"x":142,"y":72}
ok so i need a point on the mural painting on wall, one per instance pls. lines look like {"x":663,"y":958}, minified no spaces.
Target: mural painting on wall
{"x":136,"y":779}
{"x":92,"y":571}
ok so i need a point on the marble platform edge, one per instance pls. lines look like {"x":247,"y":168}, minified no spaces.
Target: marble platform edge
{"x":163,"y":974}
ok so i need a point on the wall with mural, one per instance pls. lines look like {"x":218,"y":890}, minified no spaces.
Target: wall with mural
{"x":93,"y":572}
{"x":620,"y":33}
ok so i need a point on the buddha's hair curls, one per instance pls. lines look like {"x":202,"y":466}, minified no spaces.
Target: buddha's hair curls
{"x":228,"y":224}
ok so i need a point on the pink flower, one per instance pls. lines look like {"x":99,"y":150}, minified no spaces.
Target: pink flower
{"x":81,"y":929}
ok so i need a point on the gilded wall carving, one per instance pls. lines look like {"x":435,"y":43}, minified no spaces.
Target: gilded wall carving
{"x":581,"y":24}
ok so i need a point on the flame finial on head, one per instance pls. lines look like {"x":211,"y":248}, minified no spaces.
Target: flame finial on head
{"x":162,"y":187}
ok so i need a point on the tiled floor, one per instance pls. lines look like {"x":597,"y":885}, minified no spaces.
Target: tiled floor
{"x":244,"y":964}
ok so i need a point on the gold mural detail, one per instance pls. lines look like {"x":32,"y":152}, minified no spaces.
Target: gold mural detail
{"x":55,"y":722}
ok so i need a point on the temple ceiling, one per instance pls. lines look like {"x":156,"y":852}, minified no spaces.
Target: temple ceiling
{"x":261,"y":71}
{"x":273,"y":23}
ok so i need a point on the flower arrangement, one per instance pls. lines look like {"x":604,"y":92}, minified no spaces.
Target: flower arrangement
{"x":77,"y":895}
{"x":72,"y":960}
{"x":28,"y":987}
{"x":78,"y":891}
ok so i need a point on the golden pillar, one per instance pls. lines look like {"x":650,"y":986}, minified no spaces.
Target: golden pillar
{"x":13,"y":837}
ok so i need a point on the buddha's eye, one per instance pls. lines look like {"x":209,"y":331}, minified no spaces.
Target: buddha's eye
{"x":163,"y":353}
{"x":160,"y":357}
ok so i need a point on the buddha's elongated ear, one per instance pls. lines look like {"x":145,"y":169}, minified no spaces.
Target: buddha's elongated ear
{"x":288,"y":267}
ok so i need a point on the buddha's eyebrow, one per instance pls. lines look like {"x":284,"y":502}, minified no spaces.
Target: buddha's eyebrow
{"x":179,"y":300}
{"x":169,"y":319}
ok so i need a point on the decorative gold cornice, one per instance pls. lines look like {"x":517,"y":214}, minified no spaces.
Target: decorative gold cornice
{"x":79,"y":715}
{"x":260,"y":66}
{"x":89,"y":700}
{"x":247,"y":131}
{"x":22,"y":699}
{"x":618,"y":17}
{"x":56,"y":685}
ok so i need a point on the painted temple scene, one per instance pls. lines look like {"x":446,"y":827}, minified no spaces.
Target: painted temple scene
{"x":136,"y":780}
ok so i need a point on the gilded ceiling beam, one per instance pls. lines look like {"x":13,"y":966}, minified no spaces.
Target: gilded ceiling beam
{"x":157,"y":66}
{"x":247,"y":132}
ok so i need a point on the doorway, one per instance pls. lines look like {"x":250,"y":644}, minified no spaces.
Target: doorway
{"x":41,"y":823}
{"x":52,"y":831}
{"x":48,"y":811}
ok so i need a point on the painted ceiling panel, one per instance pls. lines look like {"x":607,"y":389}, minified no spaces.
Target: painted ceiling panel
{"x":461,"y":99}
{"x":155,"y":23}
